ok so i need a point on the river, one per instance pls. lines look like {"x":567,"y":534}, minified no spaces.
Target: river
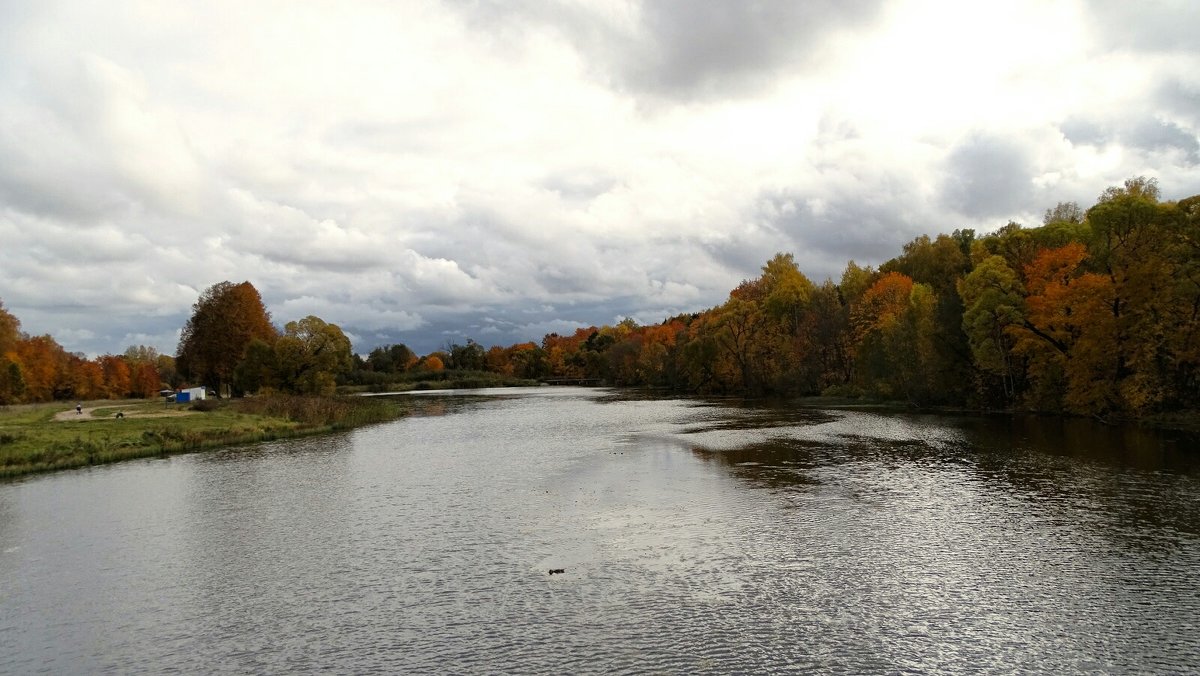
{"x":694,"y":536}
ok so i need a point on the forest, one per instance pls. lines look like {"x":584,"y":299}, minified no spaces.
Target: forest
{"x":1094,"y":312}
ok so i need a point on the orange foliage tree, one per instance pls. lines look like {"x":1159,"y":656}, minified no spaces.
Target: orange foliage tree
{"x":224,"y":321}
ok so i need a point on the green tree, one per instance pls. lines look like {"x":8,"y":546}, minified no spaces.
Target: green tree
{"x":258,"y":369}
{"x":787,"y":291}
{"x":993,"y":297}
{"x":1064,"y":212}
{"x":940,"y":263}
{"x":830,"y":333}
{"x":469,"y":357}
{"x":391,"y":358}
{"x":1131,"y":238}
{"x":310,"y":355}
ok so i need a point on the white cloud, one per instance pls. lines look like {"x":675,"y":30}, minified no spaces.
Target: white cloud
{"x":405,"y":170}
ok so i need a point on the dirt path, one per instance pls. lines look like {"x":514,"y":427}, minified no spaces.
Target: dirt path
{"x":86,"y":414}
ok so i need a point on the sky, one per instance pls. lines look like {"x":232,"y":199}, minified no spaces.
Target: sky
{"x":428,"y":172}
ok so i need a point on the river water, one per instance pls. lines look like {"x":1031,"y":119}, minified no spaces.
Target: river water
{"x":695,"y":536}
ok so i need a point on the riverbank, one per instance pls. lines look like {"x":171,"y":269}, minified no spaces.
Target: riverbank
{"x":46,"y":437}
{"x":1179,"y":421}
{"x":426,"y":380}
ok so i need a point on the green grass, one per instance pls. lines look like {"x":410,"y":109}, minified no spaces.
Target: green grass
{"x":31,"y":440}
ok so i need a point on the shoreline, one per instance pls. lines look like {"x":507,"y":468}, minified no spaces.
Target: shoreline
{"x":43,"y":438}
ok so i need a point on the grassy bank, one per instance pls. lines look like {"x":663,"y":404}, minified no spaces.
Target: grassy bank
{"x":426,"y":380}
{"x":46,"y":437}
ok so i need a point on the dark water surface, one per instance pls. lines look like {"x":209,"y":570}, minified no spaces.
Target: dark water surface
{"x":696,"y":537}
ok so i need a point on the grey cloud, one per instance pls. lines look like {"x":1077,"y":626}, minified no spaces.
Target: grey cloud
{"x":82,"y":198}
{"x":74,"y":327}
{"x":1144,"y":132}
{"x":45,"y":170}
{"x":512,"y":323}
{"x":1083,"y":131}
{"x":582,"y":185}
{"x":1181,"y":100}
{"x":1165,"y":135}
{"x":1157,"y":26}
{"x":826,"y":233}
{"x":685,"y":50}
{"x":694,"y":48}
{"x":987,"y":177}
{"x":744,"y":251}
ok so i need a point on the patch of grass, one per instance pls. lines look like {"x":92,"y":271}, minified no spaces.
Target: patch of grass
{"x":31,"y":440}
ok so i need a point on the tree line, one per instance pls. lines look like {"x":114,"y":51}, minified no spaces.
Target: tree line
{"x":37,"y":368}
{"x":1094,"y":312}
{"x":228,"y":345}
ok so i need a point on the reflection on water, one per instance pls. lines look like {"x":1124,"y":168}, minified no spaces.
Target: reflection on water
{"x":695,"y":536}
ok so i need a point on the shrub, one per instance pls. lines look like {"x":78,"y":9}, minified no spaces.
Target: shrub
{"x":319,"y":411}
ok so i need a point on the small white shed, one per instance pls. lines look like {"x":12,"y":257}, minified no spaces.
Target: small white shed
{"x":190,"y":394}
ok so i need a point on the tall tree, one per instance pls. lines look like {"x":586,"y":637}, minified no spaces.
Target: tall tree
{"x":117,"y":376}
{"x":258,"y":369}
{"x":1131,"y":239}
{"x":12,"y":380}
{"x":994,"y":299}
{"x":44,"y":369}
{"x":469,"y":357}
{"x":225,"y":319}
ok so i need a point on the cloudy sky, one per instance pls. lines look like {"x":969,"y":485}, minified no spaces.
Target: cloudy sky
{"x":424,"y":172}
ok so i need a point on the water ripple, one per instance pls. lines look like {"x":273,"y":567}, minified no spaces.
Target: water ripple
{"x":695,"y":537}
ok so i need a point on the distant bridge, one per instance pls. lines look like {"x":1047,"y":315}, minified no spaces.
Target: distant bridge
{"x":586,"y":382}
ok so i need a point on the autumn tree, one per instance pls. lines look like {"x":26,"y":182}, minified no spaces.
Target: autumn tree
{"x":144,"y":378}
{"x":432,"y":363}
{"x":117,"y":376}
{"x":940,"y":263}
{"x":893,"y":323}
{"x":699,"y":352}
{"x":498,"y":360}
{"x":1184,"y":336}
{"x":44,"y":369}
{"x":225,"y":319}
{"x":528,"y":361}
{"x":565,"y":355}
{"x":829,"y":332}
{"x":737,"y":325}
{"x":12,"y":380}
{"x":1131,"y":239}
{"x":87,"y":380}
{"x":1067,"y":334}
